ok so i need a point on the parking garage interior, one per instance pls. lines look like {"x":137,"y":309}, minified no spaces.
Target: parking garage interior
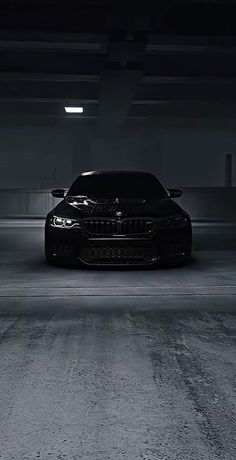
{"x":108,"y":363}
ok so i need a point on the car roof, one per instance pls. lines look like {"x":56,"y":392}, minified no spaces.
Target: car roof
{"x":115,"y":172}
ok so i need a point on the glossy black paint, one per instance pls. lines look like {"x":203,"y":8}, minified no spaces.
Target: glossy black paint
{"x":140,"y":247}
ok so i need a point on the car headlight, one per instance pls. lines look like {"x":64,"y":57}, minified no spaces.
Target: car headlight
{"x":63,"y":222}
{"x":172,"y":221}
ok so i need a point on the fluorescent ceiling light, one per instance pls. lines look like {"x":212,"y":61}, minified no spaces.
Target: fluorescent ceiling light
{"x":74,"y":109}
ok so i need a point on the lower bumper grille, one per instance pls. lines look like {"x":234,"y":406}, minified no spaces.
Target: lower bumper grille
{"x":117,"y":255}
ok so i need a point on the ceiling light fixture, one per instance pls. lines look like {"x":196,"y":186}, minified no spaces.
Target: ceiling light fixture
{"x":74,"y":109}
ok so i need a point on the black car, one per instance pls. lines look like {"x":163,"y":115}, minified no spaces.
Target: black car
{"x":118,"y":218}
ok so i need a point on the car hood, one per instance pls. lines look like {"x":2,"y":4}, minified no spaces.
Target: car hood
{"x":127,"y":208}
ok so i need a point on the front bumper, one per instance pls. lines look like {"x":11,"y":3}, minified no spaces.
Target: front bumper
{"x":77,"y":246}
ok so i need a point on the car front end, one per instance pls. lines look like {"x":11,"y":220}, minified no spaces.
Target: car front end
{"x":117,"y":218}
{"x":120,"y":239}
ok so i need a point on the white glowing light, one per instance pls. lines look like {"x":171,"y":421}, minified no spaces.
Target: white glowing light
{"x":63,"y":222}
{"x":74,"y":109}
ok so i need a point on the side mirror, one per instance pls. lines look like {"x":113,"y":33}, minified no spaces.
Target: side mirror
{"x":174,"y":193}
{"x":58,"y":193}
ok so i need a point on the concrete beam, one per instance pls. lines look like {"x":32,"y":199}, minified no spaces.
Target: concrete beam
{"x":54,"y":41}
{"x":118,"y":87}
{"x":145,"y":79}
{"x":117,"y":92}
{"x":190,"y":44}
{"x":55,"y":77}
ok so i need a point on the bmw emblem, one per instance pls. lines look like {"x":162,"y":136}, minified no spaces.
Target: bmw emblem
{"x":119,"y":214}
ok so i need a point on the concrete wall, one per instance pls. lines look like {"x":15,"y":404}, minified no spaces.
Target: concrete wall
{"x":195,"y":158}
{"x":35,"y":157}
{"x":52,"y":156}
{"x":202,"y":203}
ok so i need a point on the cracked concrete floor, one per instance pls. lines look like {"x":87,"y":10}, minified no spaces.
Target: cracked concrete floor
{"x":117,"y":380}
{"x":117,"y":365}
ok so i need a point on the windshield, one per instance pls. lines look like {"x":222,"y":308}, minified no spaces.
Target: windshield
{"x":118,"y":186}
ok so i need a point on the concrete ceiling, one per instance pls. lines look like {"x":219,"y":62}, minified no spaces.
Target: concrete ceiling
{"x":118,"y":59}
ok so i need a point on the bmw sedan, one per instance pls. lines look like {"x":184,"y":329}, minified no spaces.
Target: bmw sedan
{"x":118,"y":218}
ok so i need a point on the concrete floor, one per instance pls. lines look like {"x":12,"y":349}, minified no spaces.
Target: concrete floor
{"x":116,"y":365}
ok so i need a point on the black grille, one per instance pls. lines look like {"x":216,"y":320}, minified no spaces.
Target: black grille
{"x":100,"y":226}
{"x":117,"y":255}
{"x":116,"y":227}
{"x":136,"y":226}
